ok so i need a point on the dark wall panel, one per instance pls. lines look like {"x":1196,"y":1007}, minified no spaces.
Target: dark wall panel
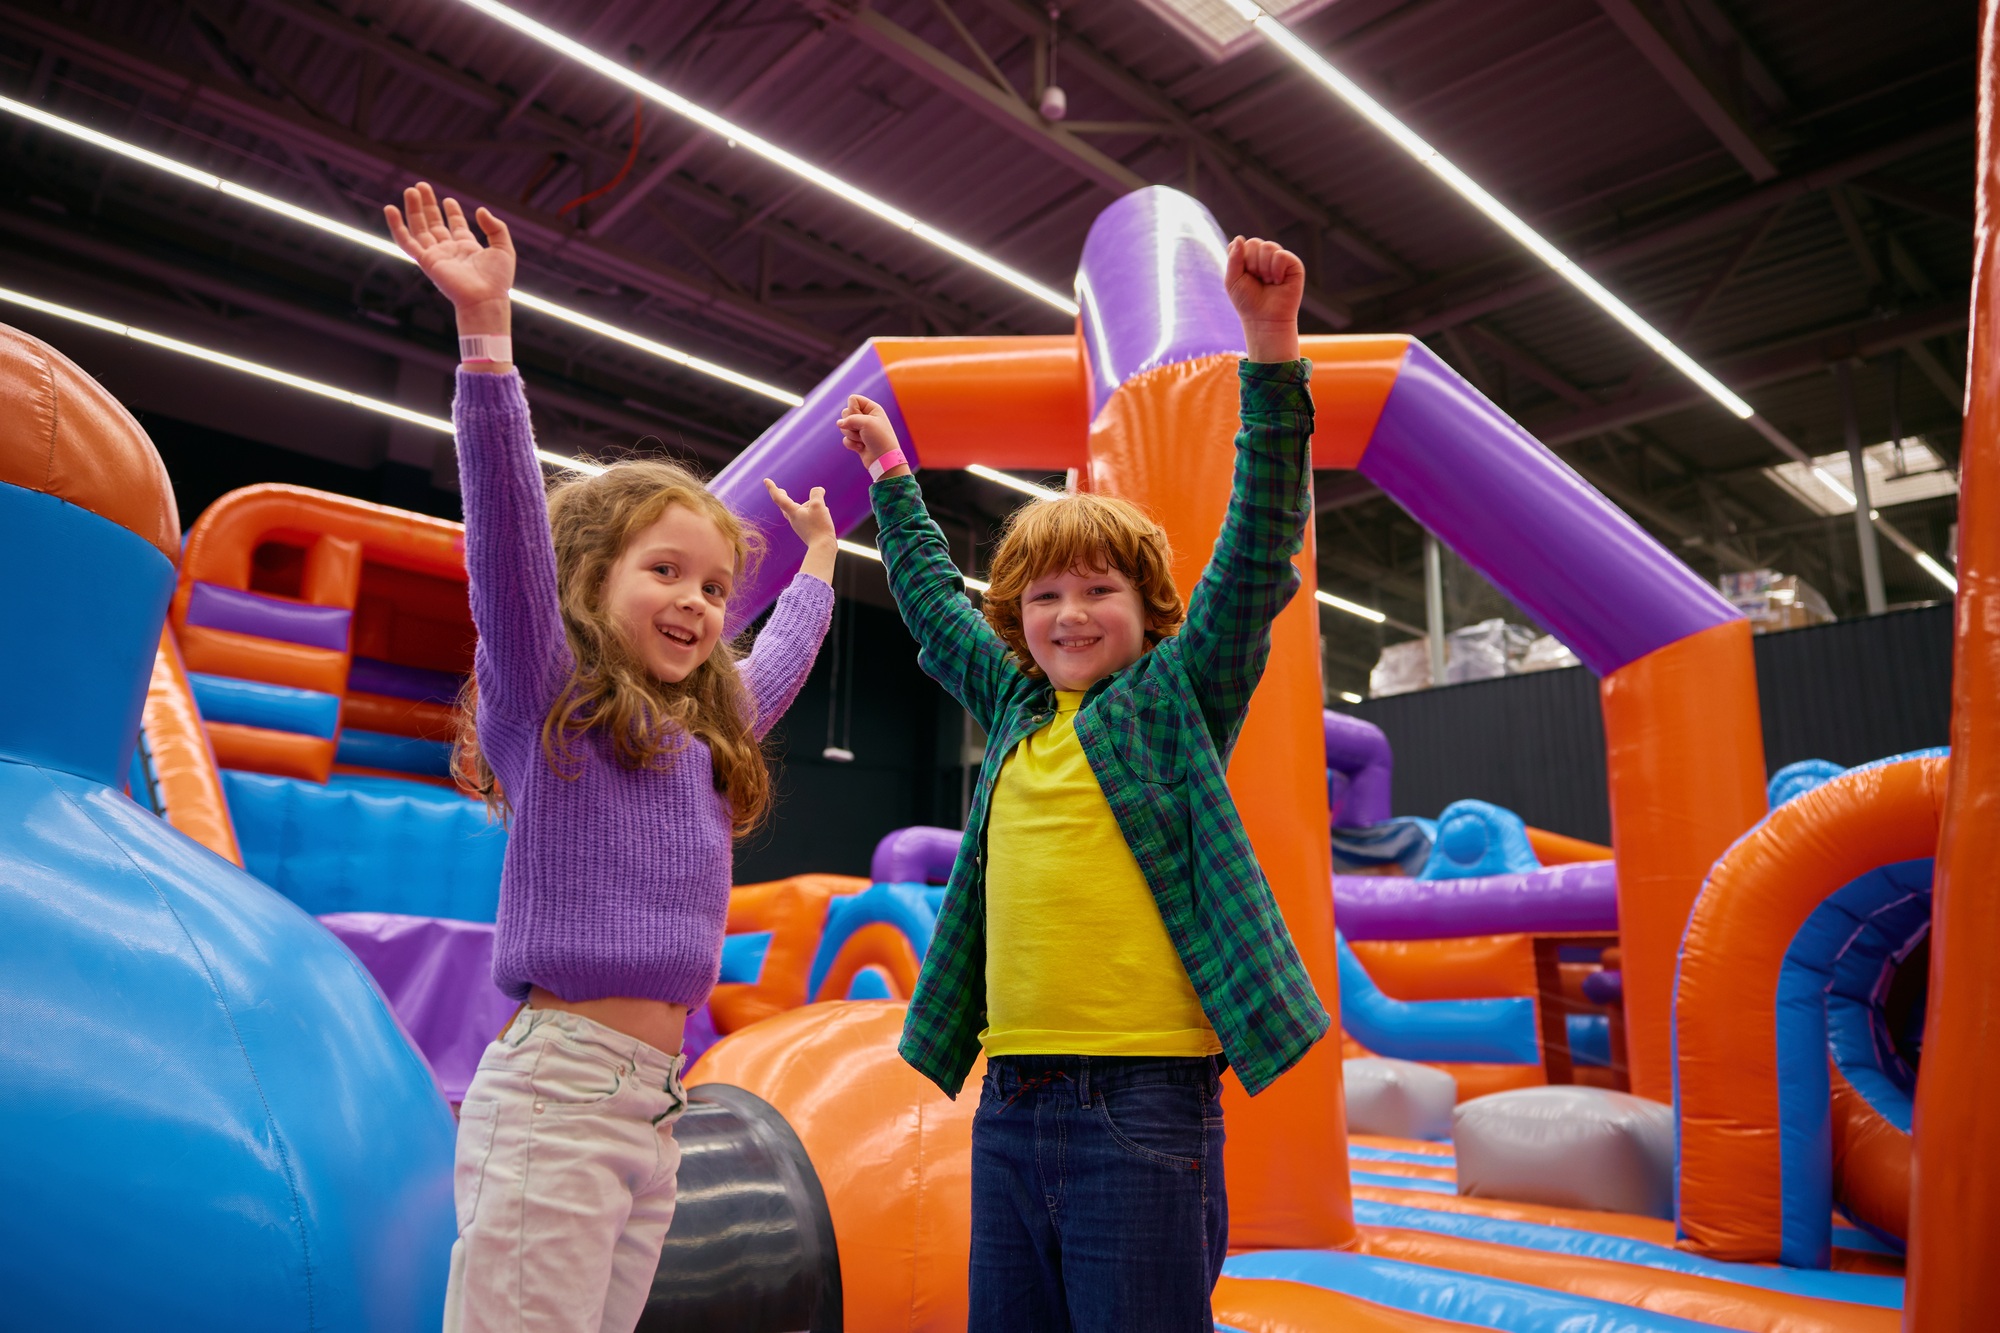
{"x":1850,"y":692}
{"x":1533,"y":743}
{"x":828,"y":816}
{"x":1858,"y":689}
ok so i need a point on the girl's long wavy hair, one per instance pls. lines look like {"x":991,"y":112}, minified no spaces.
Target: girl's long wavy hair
{"x":645,"y":720}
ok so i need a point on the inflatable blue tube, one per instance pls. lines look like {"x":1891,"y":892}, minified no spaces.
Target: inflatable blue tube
{"x":1383,"y":1180}
{"x":1477,"y":838}
{"x":1854,"y":1288}
{"x":1500,"y":1032}
{"x":252,"y":703}
{"x":1857,"y":1027}
{"x":1362,"y":1153}
{"x":743,"y":957}
{"x":1805,"y":1141}
{"x":368,"y":844}
{"x":1482,"y":1302}
{"x":401,"y":754}
{"x":910,"y":908}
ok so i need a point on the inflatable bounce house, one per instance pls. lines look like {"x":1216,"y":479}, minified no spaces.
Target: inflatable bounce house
{"x":1733,"y":1071}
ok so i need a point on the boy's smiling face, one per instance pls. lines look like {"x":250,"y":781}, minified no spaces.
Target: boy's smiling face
{"x":1083,"y":625}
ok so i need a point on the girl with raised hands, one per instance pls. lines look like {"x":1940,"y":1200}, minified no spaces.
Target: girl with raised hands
{"x":621,"y":734}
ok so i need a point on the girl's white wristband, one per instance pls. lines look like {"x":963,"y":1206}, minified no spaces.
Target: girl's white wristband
{"x":477,"y":347}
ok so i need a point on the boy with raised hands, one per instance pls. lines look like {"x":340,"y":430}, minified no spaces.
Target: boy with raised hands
{"x":1107,"y":937}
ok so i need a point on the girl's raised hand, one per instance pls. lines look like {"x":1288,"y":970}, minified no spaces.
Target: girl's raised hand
{"x":811,"y":521}
{"x":472,"y":276}
{"x":815,"y":528}
{"x":865,"y":428}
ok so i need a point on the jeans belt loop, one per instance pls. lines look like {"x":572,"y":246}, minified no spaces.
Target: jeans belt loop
{"x":1083,"y":1081}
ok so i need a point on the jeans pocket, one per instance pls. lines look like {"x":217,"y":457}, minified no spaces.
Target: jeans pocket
{"x":1159,"y":1122}
{"x":568,"y":1077}
{"x":476,"y":1124}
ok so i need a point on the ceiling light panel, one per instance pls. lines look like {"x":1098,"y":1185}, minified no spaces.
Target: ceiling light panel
{"x":1218,"y":29}
{"x":1894,"y":478}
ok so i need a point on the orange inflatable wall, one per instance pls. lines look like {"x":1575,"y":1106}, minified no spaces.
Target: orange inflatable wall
{"x":1758,"y":896}
{"x":1954,"y":1281}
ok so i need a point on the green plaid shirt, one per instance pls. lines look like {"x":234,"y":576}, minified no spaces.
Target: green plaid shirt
{"x":1157,"y":735}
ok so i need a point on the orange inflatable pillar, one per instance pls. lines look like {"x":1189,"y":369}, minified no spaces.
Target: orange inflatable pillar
{"x":1684,"y":768}
{"x":1163,"y":440}
{"x":1954,"y":1282}
{"x":189,"y":791}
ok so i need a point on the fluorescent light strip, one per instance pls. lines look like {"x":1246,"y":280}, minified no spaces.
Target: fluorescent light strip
{"x":1412,"y":143}
{"x":1349,"y":696}
{"x":382,"y":245}
{"x":1352,"y":608}
{"x":262,"y":372}
{"x":1923,"y":558}
{"x":324,"y":390}
{"x":737,"y":136}
{"x":1936,"y":571}
{"x":870,"y":553}
{"x":1025,"y":487}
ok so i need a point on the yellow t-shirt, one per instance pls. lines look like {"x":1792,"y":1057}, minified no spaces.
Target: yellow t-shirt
{"x":1078,"y":961}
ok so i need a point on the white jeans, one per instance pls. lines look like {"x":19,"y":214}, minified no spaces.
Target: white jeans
{"x":564,"y":1179}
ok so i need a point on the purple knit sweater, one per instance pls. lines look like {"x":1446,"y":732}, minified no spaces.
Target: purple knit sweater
{"x":616,"y":883}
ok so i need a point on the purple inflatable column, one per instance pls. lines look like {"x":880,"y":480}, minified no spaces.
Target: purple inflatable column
{"x":801,"y":450}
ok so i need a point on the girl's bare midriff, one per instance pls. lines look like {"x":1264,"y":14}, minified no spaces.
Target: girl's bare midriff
{"x":657,"y":1023}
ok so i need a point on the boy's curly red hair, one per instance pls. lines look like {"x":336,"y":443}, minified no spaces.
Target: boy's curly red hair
{"x":1089,"y":533}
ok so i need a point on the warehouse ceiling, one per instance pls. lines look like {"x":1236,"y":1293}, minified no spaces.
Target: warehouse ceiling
{"x":1782,"y":187}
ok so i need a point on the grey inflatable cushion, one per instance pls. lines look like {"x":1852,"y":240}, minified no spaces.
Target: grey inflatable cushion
{"x":1399,"y":1098}
{"x":1569,"y":1147}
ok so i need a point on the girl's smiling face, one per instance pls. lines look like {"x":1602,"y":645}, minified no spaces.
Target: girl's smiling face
{"x":1083,"y":625}
{"x":668,"y":590}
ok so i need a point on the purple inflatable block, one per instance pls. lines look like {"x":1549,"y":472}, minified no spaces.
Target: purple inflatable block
{"x":213,"y":606}
{"x":1150,"y":284}
{"x":1359,"y":753}
{"x":438,"y":977}
{"x":370,"y":676}
{"x":919,"y":854}
{"x":801,"y":450}
{"x":1581,"y":896}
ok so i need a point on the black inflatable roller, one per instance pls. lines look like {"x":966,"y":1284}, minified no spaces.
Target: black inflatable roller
{"x":751,"y":1249}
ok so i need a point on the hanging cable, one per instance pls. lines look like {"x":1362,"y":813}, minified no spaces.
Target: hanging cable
{"x":637,"y":55}
{"x":840,"y":631}
{"x":638,"y":107}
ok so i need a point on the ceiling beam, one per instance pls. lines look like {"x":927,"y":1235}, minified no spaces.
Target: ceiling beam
{"x":716,"y":445}
{"x":970,"y":88}
{"x":1004,"y":107}
{"x":657,"y":173}
{"x":362,"y":35}
{"x":1710,"y":104}
{"x":335,"y":144}
{"x":1414,"y":318}
{"x":1758,"y":367}
{"x":1108,"y":74}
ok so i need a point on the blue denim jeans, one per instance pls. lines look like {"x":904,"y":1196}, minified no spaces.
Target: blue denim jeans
{"x":1097,"y":1194}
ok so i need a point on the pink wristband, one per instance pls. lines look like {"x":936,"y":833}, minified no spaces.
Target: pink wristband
{"x":894,"y":458}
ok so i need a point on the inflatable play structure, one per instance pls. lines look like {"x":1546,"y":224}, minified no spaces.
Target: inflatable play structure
{"x":1712,"y":1107}
{"x":211,"y":1117}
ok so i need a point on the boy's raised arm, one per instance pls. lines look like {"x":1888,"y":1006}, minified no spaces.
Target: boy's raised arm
{"x":1226,"y":640}
{"x":955,"y":645}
